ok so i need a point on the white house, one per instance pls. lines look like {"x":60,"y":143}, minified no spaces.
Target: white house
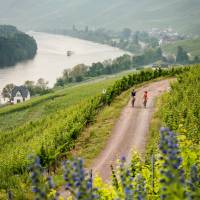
{"x":19,"y":94}
{"x":3,"y":100}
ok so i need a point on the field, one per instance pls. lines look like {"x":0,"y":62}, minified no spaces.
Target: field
{"x":171,"y":169}
{"x":17,"y":120}
{"x":49,"y":128}
{"x":39,"y":107}
{"x":191,"y":46}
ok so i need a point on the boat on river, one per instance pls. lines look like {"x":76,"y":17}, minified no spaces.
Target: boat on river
{"x":69,"y":53}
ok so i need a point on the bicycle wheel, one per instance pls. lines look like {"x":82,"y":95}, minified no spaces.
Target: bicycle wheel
{"x":145,"y":103}
{"x":133,"y":102}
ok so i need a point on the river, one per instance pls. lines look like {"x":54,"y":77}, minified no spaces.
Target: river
{"x":52,"y":59}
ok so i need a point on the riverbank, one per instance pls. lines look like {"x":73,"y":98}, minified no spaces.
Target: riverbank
{"x":51,"y":58}
{"x":15,"y":46}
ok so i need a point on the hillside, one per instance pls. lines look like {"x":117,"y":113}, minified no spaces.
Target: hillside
{"x":15,"y":46}
{"x":182,"y":15}
{"x":171,"y":169}
{"x":191,"y":46}
{"x":50,"y":125}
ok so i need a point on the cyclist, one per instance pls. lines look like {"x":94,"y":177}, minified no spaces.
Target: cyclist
{"x":145,"y":97}
{"x":133,"y":94}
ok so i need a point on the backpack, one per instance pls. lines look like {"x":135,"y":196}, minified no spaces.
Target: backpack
{"x":133,"y":94}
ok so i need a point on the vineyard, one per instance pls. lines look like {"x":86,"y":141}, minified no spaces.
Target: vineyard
{"x":41,"y":106}
{"x":54,"y":134}
{"x":171,"y":172}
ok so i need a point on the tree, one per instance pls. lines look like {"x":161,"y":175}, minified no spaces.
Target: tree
{"x":67,"y":76}
{"x":170,"y":59}
{"x":60,"y":82}
{"x":153,"y":42}
{"x":41,"y":83}
{"x":182,"y":56}
{"x":196,"y":60}
{"x":7,"y":90}
{"x":136,"y":38}
{"x":158,"y":53}
{"x":96,"y":69}
{"x":39,"y":88}
{"x":123,"y":62}
{"x":30,"y":85}
{"x":126,"y":33}
{"x":78,"y":72}
{"x":15,"y":46}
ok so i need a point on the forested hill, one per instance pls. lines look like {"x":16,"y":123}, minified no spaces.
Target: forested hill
{"x":182,"y":15}
{"x":15,"y":46}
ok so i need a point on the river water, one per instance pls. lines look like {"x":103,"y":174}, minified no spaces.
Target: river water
{"x":52,"y":59}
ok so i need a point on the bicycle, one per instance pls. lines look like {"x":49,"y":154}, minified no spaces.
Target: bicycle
{"x":133,"y":101}
{"x":145,"y":99}
{"x":145,"y":103}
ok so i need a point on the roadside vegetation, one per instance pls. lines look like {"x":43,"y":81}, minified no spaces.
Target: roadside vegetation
{"x":94,"y":137}
{"x":179,"y":109}
{"x":51,"y":137}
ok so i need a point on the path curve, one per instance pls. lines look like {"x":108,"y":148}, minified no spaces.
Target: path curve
{"x":130,"y":131}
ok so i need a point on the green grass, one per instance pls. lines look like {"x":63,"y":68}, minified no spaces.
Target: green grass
{"x":23,"y":126}
{"x":192,"y":46}
{"x":94,"y":137}
{"x":39,"y":107}
{"x":16,"y":115}
{"x":156,"y":123}
{"x":56,"y":123}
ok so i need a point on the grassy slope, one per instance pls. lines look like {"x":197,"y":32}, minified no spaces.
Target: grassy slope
{"x":38,"y":107}
{"x":93,"y":130}
{"x":191,"y":46}
{"x":16,"y":117}
{"x":30,"y":125}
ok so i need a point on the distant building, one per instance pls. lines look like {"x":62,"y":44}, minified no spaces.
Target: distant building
{"x":3,"y":100}
{"x":166,"y":36}
{"x":19,"y":94}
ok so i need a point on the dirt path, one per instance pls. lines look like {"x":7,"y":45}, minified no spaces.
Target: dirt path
{"x":130,"y":132}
